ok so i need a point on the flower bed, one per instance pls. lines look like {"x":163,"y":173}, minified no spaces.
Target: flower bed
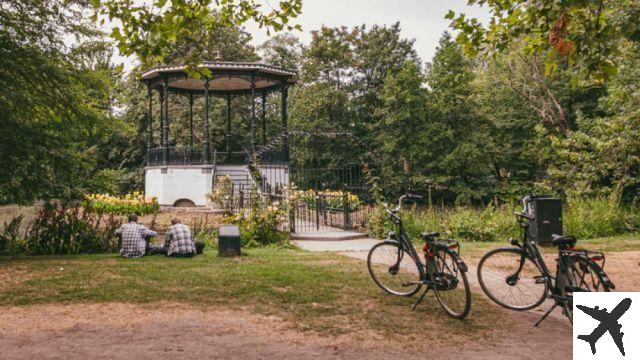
{"x":135,"y":202}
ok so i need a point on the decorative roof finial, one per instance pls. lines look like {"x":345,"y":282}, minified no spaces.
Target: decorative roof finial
{"x":218,"y":57}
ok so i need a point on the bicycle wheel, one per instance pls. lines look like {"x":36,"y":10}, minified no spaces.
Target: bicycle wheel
{"x":512,"y":279}
{"x":582,"y":275}
{"x":393,"y":269}
{"x":452,"y":287}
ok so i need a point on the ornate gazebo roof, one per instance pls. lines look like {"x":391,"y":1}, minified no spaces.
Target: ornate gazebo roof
{"x":226,"y":78}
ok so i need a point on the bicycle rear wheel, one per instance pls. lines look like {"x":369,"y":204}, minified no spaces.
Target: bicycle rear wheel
{"x":451,"y":284}
{"x":582,"y":275}
{"x":512,"y":279}
{"x":393,"y":269}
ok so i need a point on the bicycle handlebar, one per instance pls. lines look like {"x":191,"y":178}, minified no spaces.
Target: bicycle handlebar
{"x":406,"y":196}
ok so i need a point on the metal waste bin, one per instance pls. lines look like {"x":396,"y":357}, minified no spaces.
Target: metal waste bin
{"x":547,"y":214}
{"x":228,"y":240}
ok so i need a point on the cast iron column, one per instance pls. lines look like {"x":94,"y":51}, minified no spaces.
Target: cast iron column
{"x":165,"y":125}
{"x":264,"y":123}
{"x":190,"y":127}
{"x":253,"y":112}
{"x":150,"y":119}
{"x":207,"y":150}
{"x":228,"y":126}
{"x":283,"y":114}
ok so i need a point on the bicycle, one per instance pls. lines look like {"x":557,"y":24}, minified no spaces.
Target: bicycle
{"x":396,"y":267}
{"x":517,"y":277}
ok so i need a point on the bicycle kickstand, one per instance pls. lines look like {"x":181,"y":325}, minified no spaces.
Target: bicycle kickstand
{"x":546,"y":314}
{"x":421,"y":297}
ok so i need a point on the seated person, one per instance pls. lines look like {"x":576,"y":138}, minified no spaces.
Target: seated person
{"x":134,"y":238}
{"x":178,"y":240}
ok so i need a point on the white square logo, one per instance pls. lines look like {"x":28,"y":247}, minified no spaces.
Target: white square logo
{"x":606,"y":325}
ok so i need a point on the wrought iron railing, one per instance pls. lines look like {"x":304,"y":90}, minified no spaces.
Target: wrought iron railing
{"x":232,"y":158}
{"x":184,"y":155}
{"x":177,"y":155}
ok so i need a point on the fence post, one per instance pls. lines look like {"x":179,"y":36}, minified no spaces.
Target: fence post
{"x":317,"y":210}
{"x":292,"y":213}
{"x":345,"y":203}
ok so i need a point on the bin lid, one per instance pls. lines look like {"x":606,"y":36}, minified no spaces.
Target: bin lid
{"x":229,"y":230}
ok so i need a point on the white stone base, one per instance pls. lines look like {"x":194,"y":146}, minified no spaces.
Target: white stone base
{"x":176,"y":182}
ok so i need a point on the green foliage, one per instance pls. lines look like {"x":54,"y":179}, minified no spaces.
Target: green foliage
{"x":263,"y":223}
{"x":586,"y":34}
{"x":222,"y":194}
{"x":602,"y":157}
{"x":598,"y":217}
{"x":151,"y":31}
{"x":54,"y":100}
{"x":11,"y":241}
{"x":60,"y":229}
{"x":583,"y":218}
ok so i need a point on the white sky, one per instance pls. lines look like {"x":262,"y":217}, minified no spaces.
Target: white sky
{"x":422,"y":20}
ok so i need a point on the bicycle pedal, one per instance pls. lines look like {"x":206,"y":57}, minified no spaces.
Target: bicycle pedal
{"x":540,"y":279}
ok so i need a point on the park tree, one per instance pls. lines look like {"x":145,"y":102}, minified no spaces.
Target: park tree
{"x":587,"y":35}
{"x":456,"y":158}
{"x":399,"y":140}
{"x":603,"y":156}
{"x":54,"y":99}
{"x":151,"y":29}
{"x":283,"y":50}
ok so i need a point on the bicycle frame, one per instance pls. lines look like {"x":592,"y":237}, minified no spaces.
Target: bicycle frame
{"x":531,"y":250}
{"x":405,"y":242}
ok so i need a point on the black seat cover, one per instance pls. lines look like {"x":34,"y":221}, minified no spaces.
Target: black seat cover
{"x":559,"y":240}
{"x":430,"y":234}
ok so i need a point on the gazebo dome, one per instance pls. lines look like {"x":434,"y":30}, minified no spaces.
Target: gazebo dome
{"x":226,"y":78}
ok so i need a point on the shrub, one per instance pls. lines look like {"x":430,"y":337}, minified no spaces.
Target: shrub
{"x":11,"y":241}
{"x":61,"y":229}
{"x":596,"y":217}
{"x":583,"y":218}
{"x":134,"y":202}
{"x":264,"y":223}
{"x":222,"y":194}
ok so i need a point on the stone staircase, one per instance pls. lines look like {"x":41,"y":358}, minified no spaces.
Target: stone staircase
{"x":239,"y":174}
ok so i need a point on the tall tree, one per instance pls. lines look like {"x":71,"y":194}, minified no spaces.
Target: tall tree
{"x":53,"y":100}
{"x":455,"y":159}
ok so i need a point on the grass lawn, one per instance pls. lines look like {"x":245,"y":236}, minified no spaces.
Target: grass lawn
{"x":611,"y":244}
{"x":323,"y":293}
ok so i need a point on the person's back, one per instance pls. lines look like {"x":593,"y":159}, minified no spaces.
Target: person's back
{"x":133,"y":238}
{"x":178,"y":240}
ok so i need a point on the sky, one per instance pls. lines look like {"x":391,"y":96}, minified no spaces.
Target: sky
{"x":422,"y":20}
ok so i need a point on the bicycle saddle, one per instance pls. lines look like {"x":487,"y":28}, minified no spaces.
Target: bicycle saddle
{"x":559,"y":240}
{"x":430,"y":235}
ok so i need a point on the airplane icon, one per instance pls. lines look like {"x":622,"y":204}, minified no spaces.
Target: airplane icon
{"x":608,"y":322}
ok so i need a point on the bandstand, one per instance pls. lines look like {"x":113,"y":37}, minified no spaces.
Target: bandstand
{"x":180,"y":175}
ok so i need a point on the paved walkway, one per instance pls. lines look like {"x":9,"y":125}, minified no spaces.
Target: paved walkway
{"x":341,"y":246}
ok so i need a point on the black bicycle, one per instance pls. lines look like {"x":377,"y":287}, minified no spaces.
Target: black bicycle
{"x":518,"y":278}
{"x":396,"y":267}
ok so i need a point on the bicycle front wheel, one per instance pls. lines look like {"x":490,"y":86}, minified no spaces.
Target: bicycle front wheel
{"x":450,"y":284}
{"x":512,"y":279}
{"x":393,"y":269}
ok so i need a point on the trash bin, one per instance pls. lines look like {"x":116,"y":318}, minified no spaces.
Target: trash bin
{"x":228,"y":240}
{"x":547,"y":219}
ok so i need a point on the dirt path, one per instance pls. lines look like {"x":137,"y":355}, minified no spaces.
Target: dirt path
{"x":167,"y":331}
